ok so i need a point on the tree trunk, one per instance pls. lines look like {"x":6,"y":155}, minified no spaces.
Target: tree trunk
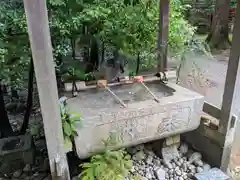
{"x":138,"y":63}
{"x":218,"y":36}
{"x":5,"y":126}
{"x":29,"y":99}
{"x":162,"y":38}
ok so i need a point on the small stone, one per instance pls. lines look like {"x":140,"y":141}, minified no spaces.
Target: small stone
{"x":169,"y":141}
{"x":184,"y":166}
{"x":17,"y":173}
{"x":178,"y":163}
{"x":142,"y":178}
{"x":132,"y":151}
{"x":148,"y":175}
{"x":170,"y":152}
{"x":167,"y":164}
{"x":75,"y":93}
{"x":181,"y":160}
{"x":27,"y":168}
{"x":149,"y":152}
{"x":180,"y":178}
{"x":141,"y":173}
{"x":198,"y":163}
{"x":133,"y":169}
{"x":157,"y":162}
{"x":36,"y":174}
{"x":184,"y":175}
{"x":171,"y":171}
{"x":139,"y":156}
{"x":178,"y":172}
{"x":199,"y":169}
{"x":184,"y":159}
{"x":183,"y":148}
{"x":149,"y":159}
{"x":160,"y":174}
{"x":173,"y":165}
{"x":206,"y":167}
{"x":190,"y":167}
{"x":195,"y":157}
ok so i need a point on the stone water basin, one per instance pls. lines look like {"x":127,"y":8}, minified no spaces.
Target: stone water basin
{"x":142,"y":121}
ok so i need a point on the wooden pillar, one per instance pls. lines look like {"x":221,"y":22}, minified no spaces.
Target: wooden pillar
{"x":230,"y":91}
{"x":38,"y":30}
{"x":162,"y":41}
{"x":231,"y":76}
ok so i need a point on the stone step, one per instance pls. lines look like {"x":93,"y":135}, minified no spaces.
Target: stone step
{"x":212,"y":174}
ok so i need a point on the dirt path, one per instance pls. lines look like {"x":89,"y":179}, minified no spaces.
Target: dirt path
{"x":214,"y":72}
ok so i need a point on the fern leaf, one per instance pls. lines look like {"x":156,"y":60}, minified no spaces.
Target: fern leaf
{"x":86,"y":165}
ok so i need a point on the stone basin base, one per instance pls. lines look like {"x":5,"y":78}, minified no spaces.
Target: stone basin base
{"x":143,"y":120}
{"x":15,"y":153}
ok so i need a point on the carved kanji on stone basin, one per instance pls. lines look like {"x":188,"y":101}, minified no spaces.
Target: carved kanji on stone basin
{"x":143,"y":120}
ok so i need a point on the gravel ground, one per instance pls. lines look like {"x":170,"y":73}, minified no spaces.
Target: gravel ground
{"x":148,"y":165}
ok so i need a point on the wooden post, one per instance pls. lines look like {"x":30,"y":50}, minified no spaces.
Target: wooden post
{"x":162,"y":41}
{"x":230,"y":91}
{"x":38,"y":30}
{"x":231,"y":76}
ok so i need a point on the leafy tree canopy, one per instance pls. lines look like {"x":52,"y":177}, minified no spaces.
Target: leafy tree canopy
{"x":129,"y":25}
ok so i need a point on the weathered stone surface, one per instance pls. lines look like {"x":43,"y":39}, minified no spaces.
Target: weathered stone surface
{"x":173,"y":140}
{"x":212,"y":174}
{"x":170,"y":152}
{"x":160,"y":174}
{"x":183,"y":148}
{"x":195,"y":157}
{"x":15,"y":152}
{"x":139,"y":156}
{"x":142,"y":121}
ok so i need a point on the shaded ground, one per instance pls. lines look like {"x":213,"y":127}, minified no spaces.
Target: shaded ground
{"x":211,"y":78}
{"x":210,"y":82}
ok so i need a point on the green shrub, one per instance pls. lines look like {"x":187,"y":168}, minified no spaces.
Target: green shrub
{"x":69,"y":123}
{"x":110,"y":165}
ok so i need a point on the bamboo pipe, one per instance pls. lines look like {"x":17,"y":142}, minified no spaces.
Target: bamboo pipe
{"x":103,"y":84}
{"x":140,"y":80}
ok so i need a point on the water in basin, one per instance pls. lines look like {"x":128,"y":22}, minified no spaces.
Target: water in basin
{"x":128,"y":93}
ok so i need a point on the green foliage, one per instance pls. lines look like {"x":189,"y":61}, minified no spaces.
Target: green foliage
{"x":132,"y":27}
{"x":14,"y":45}
{"x":233,"y":4}
{"x":73,"y":74}
{"x":69,"y":123}
{"x":129,"y":26}
{"x":200,"y":13}
{"x":131,"y":74}
{"x":111,"y":165}
{"x":181,"y":32}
